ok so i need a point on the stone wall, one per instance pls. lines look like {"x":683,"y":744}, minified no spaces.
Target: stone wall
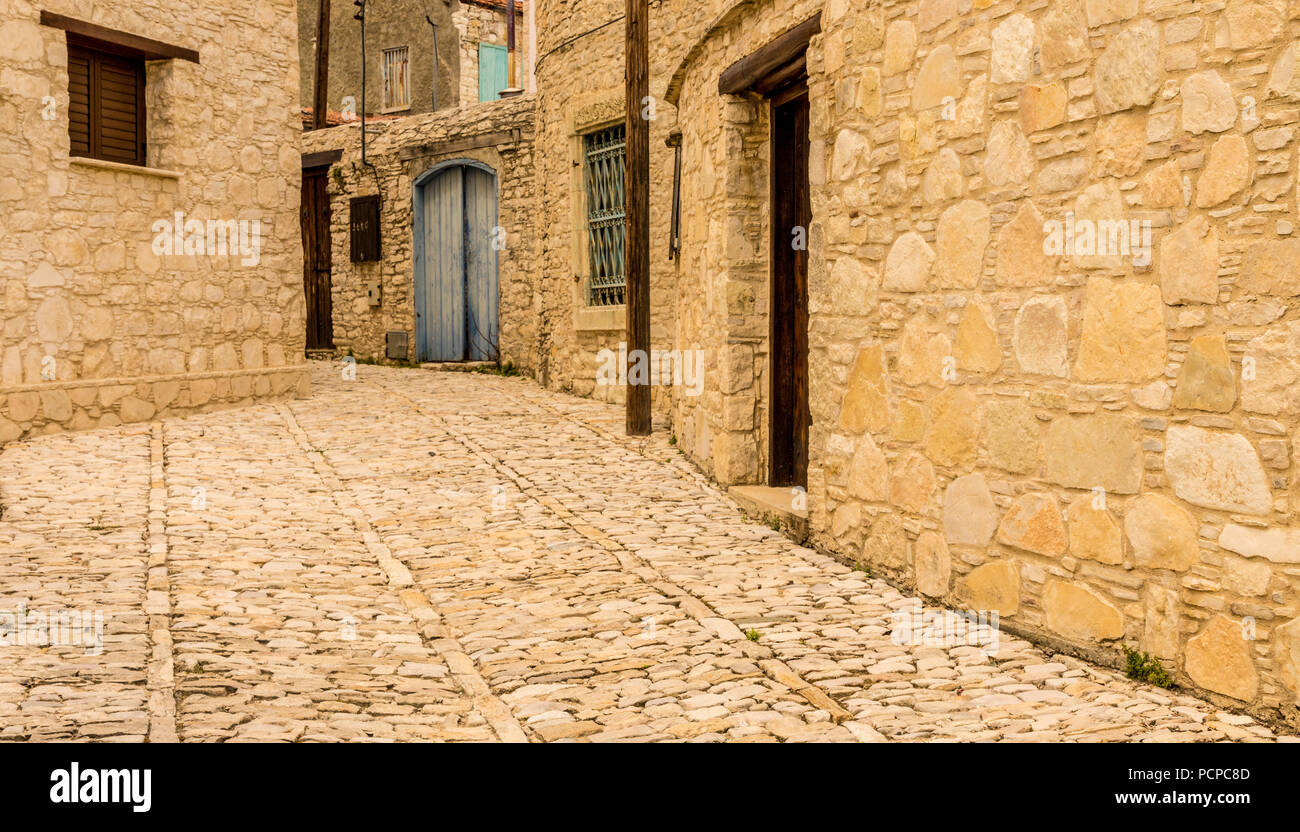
{"x":98,"y":328}
{"x":485,"y":21}
{"x":580,"y":90}
{"x":389,"y":24}
{"x":1097,"y":443}
{"x":498,"y":134}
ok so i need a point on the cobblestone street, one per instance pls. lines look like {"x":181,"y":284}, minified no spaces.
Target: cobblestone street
{"x":442,"y":556}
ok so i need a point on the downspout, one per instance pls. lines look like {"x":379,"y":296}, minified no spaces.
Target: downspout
{"x":361,"y":16}
{"x":429,"y":20}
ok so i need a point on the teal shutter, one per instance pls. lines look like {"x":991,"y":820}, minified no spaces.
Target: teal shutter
{"x":492,"y":65}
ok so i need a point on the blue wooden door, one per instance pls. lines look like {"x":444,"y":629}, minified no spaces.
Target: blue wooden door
{"x":493,"y":63}
{"x":456,"y":266}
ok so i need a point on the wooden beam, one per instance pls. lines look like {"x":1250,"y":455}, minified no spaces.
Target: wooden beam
{"x":753,"y":69}
{"x":321,"y":158}
{"x":637,"y":264}
{"x":320,"y":103}
{"x":120,"y":42}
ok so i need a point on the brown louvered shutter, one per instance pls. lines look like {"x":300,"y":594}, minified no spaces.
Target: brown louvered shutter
{"x":79,"y":100}
{"x":106,"y":106}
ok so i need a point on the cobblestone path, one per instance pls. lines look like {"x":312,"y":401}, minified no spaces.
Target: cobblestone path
{"x":441,"y":556}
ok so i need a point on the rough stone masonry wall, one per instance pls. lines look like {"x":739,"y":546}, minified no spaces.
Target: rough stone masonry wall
{"x":580,"y":89}
{"x":477,"y":24}
{"x":1101,"y":449}
{"x":96,"y":328}
{"x":401,"y":150}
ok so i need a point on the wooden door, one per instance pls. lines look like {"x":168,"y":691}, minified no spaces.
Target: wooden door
{"x":315,"y":213}
{"x":791,"y":214}
{"x":456,"y":266}
{"x":493,"y":66}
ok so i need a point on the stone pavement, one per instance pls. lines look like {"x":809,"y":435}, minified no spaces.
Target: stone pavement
{"x":443,"y":556}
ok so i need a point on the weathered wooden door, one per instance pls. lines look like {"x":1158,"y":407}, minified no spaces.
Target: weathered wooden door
{"x":791,"y":214}
{"x":315,"y":211}
{"x":493,"y":66}
{"x":456,"y":265}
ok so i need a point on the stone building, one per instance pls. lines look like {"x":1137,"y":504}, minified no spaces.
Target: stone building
{"x":150,"y":260}
{"x":1050,"y":336}
{"x":412,"y":47}
{"x":386,"y":308}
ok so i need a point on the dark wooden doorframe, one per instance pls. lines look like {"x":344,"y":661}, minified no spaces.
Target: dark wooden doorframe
{"x":789,"y":416}
{"x":316,"y":260}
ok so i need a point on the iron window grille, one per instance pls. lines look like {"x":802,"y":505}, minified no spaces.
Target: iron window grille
{"x":606,"y":153}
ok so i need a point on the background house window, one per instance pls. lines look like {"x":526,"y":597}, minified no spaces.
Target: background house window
{"x":397,"y":78}
{"x":493,"y":63}
{"x":106,"y":118}
{"x":606,"y":153}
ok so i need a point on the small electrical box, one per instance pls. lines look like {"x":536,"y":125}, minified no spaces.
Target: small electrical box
{"x":374,"y":293}
{"x":397,"y":346}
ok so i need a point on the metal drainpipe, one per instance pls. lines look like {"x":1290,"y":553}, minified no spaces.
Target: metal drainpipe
{"x":361,"y":16}
{"x":435,"y":61}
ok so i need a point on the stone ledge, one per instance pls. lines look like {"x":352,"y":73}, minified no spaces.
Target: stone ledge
{"x":760,"y":500}
{"x":600,"y":318}
{"x":125,"y":380}
{"x":119,"y":167}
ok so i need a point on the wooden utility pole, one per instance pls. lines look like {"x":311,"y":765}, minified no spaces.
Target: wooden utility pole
{"x":320,"y":104}
{"x":638,"y":211}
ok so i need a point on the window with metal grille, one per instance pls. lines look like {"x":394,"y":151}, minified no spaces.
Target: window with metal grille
{"x":606,"y":152}
{"x":397,"y":86}
{"x":106,"y":117}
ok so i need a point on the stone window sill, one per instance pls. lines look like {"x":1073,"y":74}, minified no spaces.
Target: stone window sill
{"x":600,"y":318}
{"x":118,"y":167}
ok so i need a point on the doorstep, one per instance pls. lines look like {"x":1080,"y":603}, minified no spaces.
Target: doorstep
{"x":761,"y":502}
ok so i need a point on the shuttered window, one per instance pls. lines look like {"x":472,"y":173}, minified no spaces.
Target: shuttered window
{"x":397,"y":85}
{"x":106,"y":118}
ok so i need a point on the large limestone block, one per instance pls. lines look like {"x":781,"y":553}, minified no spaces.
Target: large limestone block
{"x":1034,"y":523}
{"x":54,"y":321}
{"x":943,"y":179}
{"x":1094,"y":534}
{"x":1100,"y":450}
{"x":1041,"y":106}
{"x":1127,"y":73}
{"x":1286,"y":656}
{"x":1246,"y":576}
{"x":1080,"y":614}
{"x":960,"y":241}
{"x":1103,"y":233}
{"x":1270,"y":371}
{"x":938,"y":78}
{"x":1120,"y":145}
{"x":976,"y":347}
{"x":1063,"y":33}
{"x":868,"y":472}
{"x":886,"y":542}
{"x":969,"y":514}
{"x":1218,"y":659}
{"x":1279,"y":545}
{"x":933,"y":565}
{"x":1023,"y":259}
{"x":1123,"y":336}
{"x":1226,"y":172}
{"x":1216,"y":470}
{"x":1039,"y":337}
{"x":1269,"y":268}
{"x":1101,"y":12}
{"x":852,"y":156}
{"x":1012,"y":50}
{"x":1163,"y":187}
{"x":1206,"y":381}
{"x":1252,"y":23}
{"x":1161,"y":621}
{"x":1161,"y":534}
{"x":1009,"y":159}
{"x":907,"y":266}
{"x":993,"y":587}
{"x":911,"y":482}
{"x":866,"y":402}
{"x":850,"y":289}
{"x":1207,"y":103}
{"x":933,"y":13}
{"x":1189,"y":263}
{"x":900,"y":46}
{"x":923,"y":351}
{"x":952,"y":434}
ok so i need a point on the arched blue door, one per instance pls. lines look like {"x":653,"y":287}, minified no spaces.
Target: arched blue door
{"x":456,"y":244}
